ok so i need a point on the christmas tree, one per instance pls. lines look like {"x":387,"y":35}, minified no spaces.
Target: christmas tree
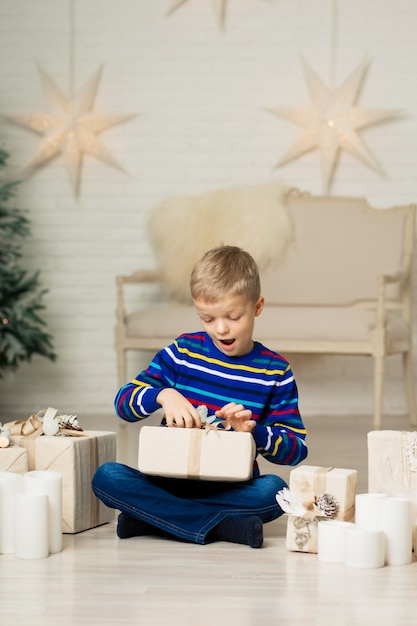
{"x":22,"y":331}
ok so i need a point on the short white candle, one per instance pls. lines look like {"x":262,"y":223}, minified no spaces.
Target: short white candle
{"x":367,"y":506}
{"x":10,"y":485}
{"x":331,"y":540}
{"x":32,"y":540}
{"x":364,"y":547}
{"x":50,"y":484}
{"x":395,"y":522}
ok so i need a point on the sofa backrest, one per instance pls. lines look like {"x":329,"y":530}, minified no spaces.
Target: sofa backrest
{"x":339,"y":248}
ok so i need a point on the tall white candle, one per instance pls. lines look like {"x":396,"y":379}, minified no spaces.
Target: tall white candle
{"x":32,"y":540}
{"x":10,"y":485}
{"x":364,"y":547}
{"x":50,"y":484}
{"x":331,"y":540}
{"x":367,"y":507}
{"x":395,"y":522}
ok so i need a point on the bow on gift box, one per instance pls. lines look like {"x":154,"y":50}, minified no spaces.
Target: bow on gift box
{"x":311,"y":508}
{"x":41,"y":423}
{"x":4,"y":436}
{"x":32,"y":427}
{"x":208,"y":425}
{"x":45,"y":422}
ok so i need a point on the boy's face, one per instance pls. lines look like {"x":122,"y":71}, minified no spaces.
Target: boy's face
{"x":230,"y":322}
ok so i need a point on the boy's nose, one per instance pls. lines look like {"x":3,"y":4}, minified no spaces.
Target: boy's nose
{"x":222,"y":327}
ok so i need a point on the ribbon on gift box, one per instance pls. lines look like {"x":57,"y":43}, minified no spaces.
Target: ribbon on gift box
{"x":30,"y":429}
{"x":312,"y":495}
{"x":310,"y":491}
{"x":195,"y":445}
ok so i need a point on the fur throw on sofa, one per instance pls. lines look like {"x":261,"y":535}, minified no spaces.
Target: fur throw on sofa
{"x":182,"y":228}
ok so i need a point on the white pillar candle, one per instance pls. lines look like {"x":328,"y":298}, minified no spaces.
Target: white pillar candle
{"x":395,"y":522}
{"x":367,"y":507}
{"x":49,"y":484}
{"x":331,"y":540}
{"x":32,"y":541}
{"x":364,"y":547}
{"x":10,"y":485}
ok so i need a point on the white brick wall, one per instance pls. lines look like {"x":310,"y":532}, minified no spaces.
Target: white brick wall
{"x":201,"y":95}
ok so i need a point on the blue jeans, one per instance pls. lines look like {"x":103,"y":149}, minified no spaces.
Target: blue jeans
{"x":187,"y":509}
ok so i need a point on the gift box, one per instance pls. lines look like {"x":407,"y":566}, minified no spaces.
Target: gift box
{"x":14,"y":459}
{"x":76,"y":458}
{"x":392,"y":464}
{"x":325,"y":493}
{"x":209,"y":453}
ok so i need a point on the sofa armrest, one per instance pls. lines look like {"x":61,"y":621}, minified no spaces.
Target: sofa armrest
{"x":397,"y":277}
{"x":141,"y":276}
{"x":383,"y":281}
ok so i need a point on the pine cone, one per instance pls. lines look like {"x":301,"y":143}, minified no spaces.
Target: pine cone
{"x":69,"y":422}
{"x":327,"y":505}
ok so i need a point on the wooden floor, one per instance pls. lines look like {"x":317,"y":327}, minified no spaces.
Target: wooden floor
{"x":98,"y":579}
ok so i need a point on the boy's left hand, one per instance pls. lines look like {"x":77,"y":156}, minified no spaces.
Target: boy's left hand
{"x":238,"y":417}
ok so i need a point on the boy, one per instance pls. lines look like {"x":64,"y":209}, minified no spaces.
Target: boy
{"x":241,"y":382}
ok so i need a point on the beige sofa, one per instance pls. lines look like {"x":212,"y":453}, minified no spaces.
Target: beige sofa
{"x":343,"y":286}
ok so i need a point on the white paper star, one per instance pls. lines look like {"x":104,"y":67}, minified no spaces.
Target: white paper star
{"x":219,"y":7}
{"x":331,"y":121}
{"x":72,"y":132}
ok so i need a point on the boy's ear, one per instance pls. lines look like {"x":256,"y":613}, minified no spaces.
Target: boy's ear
{"x":259,"y":305}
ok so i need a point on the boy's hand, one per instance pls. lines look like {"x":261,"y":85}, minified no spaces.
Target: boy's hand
{"x":178,"y":411}
{"x":238,"y":417}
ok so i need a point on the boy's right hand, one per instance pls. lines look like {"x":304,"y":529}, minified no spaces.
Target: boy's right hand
{"x":178,"y":411}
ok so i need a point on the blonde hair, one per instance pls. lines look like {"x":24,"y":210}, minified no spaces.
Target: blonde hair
{"x":225,"y":271}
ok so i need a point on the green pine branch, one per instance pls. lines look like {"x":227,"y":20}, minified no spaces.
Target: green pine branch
{"x":22,"y":329}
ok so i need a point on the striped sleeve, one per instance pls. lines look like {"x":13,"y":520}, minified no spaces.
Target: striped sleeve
{"x":280,"y":433}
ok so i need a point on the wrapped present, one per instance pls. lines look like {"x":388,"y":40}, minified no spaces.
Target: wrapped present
{"x":325,"y":493}
{"x":14,"y":459}
{"x":76,"y":459}
{"x":392,"y":464}
{"x":75,"y":455}
{"x":209,"y":453}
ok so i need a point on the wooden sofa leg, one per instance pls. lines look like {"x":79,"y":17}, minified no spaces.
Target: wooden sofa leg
{"x":379,"y":367}
{"x":409,"y":386}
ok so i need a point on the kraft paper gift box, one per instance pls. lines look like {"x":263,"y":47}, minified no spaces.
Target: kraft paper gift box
{"x":14,"y":459}
{"x":76,"y":458}
{"x":325,"y":493}
{"x":392,"y":464}
{"x":203,"y":454}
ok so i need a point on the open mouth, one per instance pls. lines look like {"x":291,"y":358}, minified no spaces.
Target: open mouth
{"x":227,"y":342}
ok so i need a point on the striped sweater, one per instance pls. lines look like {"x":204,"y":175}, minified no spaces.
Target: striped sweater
{"x":262,"y":381}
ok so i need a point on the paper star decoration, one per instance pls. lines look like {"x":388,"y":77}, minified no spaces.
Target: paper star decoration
{"x":219,"y":7}
{"x":331,"y":122}
{"x":73,"y":131}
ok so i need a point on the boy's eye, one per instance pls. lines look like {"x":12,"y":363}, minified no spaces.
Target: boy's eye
{"x":234,"y":318}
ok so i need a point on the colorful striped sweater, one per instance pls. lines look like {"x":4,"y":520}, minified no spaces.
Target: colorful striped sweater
{"x":262,"y":381}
